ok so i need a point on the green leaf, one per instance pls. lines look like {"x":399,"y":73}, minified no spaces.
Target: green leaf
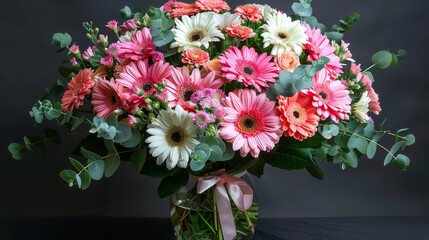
{"x":77,"y":122}
{"x":112,"y":163}
{"x":96,"y":168}
{"x":358,"y":143}
{"x":126,"y":13}
{"x":62,"y":40}
{"x":67,"y":117}
{"x":68,"y":176}
{"x":65,"y":71}
{"x":351,"y":159}
{"x":402,"y":54}
{"x":76,"y":164}
{"x":228,"y":154}
{"x":243,"y":167}
{"x":138,"y":158}
{"x":302,"y":10}
{"x":215,"y":153}
{"x":409,"y":139}
{"x":134,"y":140}
{"x":171,"y":184}
{"x":197,"y":165}
{"x":90,"y":155}
{"x":401,"y":161}
{"x":123,"y":134}
{"x":315,"y":171}
{"x":336,"y":36}
{"x":371,"y":150}
{"x":78,"y":180}
{"x":17,"y":150}
{"x":382,"y":59}
{"x":392,"y":152}
{"x":290,"y":159}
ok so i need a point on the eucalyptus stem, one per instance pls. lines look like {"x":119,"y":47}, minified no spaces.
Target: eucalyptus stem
{"x":373,"y":65}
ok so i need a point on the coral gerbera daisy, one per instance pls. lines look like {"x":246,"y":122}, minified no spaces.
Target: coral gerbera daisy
{"x":298,"y":115}
{"x":195,"y":31}
{"x":330,"y":97}
{"x":195,"y":56}
{"x":212,"y":5}
{"x":139,"y":78}
{"x":182,"y":85}
{"x":242,"y":32}
{"x":178,"y":9}
{"x":140,"y":46}
{"x":283,"y":34}
{"x":249,"y":11}
{"x":107,"y":97}
{"x":248,"y":67}
{"x":251,"y":122}
{"x":79,"y":86}
{"x":318,"y":46}
{"x":173,"y":137}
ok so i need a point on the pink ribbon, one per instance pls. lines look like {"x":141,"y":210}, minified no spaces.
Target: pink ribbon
{"x":239,"y":191}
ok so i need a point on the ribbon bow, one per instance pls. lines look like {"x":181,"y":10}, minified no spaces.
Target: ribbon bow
{"x":241,"y":194}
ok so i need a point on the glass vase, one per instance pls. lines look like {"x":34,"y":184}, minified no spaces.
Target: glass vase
{"x":195,"y":216}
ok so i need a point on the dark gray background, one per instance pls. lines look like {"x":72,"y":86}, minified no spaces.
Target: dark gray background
{"x":32,"y":187}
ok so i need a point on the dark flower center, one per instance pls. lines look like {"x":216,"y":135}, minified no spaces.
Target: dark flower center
{"x":248,"y":123}
{"x":248,"y":70}
{"x":323,"y":95}
{"x":187,"y":95}
{"x":196,"y":35}
{"x":147,"y":87}
{"x":282,"y":35}
{"x":296,"y":114}
{"x":176,"y":137}
{"x":113,"y":100}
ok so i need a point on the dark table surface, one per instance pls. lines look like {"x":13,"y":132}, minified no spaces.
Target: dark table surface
{"x":76,"y":228}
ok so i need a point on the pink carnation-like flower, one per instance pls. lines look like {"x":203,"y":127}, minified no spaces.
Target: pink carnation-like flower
{"x":195,"y":56}
{"x":330,"y":97}
{"x":73,"y":61}
{"x":182,"y":86}
{"x":298,"y":115}
{"x":138,"y":79}
{"x":251,"y":122}
{"x":212,"y":5}
{"x":202,"y":118}
{"x":249,"y":11}
{"x":140,"y":47}
{"x":107,"y":61}
{"x":112,"y":25}
{"x":88,"y":53}
{"x":107,"y":97}
{"x":318,"y":46}
{"x":240,"y":32}
{"x":127,"y":26}
{"x":248,"y":67}
{"x":180,"y":9}
{"x":78,"y":87}
{"x":74,"y":49}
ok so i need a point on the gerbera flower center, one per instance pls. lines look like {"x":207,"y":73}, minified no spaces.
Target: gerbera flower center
{"x":113,"y":100}
{"x":248,"y":70}
{"x":282,"y":35}
{"x":296,"y":114}
{"x":250,"y":123}
{"x":147,"y":87}
{"x":176,"y":137}
{"x":196,"y":35}
{"x":187,"y":95}
{"x":323,"y":95}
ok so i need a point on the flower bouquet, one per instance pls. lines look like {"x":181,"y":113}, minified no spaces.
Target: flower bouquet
{"x":200,"y":95}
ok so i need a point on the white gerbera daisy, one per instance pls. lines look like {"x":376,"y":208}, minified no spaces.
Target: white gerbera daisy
{"x":361,"y":108}
{"x":173,"y":137}
{"x":266,"y":10}
{"x":283,"y":34}
{"x":195,"y":31}
{"x":227,"y":19}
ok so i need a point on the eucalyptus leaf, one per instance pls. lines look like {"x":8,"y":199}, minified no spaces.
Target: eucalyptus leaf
{"x":138,"y":158}
{"x":382,"y":59}
{"x":124,"y":133}
{"x":112,"y":163}
{"x":96,"y":169}
{"x":392,"y":152}
{"x":77,"y":122}
{"x":17,"y":150}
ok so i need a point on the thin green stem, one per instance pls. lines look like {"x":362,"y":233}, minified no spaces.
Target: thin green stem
{"x":373,"y":65}
{"x":205,"y":221}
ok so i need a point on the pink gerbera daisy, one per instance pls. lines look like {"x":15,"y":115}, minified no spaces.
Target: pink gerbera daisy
{"x":140,"y":47}
{"x":212,"y":5}
{"x":298,"y":116}
{"x":139,"y":78}
{"x":318,"y":46}
{"x":182,"y":86}
{"x":251,"y":122}
{"x":330,"y":97}
{"x":78,"y":87}
{"x":249,"y":11}
{"x":107,"y":97}
{"x":374,"y":104}
{"x":248,"y":67}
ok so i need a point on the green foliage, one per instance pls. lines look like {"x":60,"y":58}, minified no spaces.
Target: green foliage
{"x":112,"y":160}
{"x":160,"y":27}
{"x":138,"y":158}
{"x":291,"y":82}
{"x":290,"y":158}
{"x":384,"y":59}
{"x":45,"y":109}
{"x":303,"y":8}
{"x":171,"y":184}
{"x":345,"y":25}
{"x":211,"y":148}
{"x":126,"y":13}
{"x":62,"y":40}
{"x":17,"y":150}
